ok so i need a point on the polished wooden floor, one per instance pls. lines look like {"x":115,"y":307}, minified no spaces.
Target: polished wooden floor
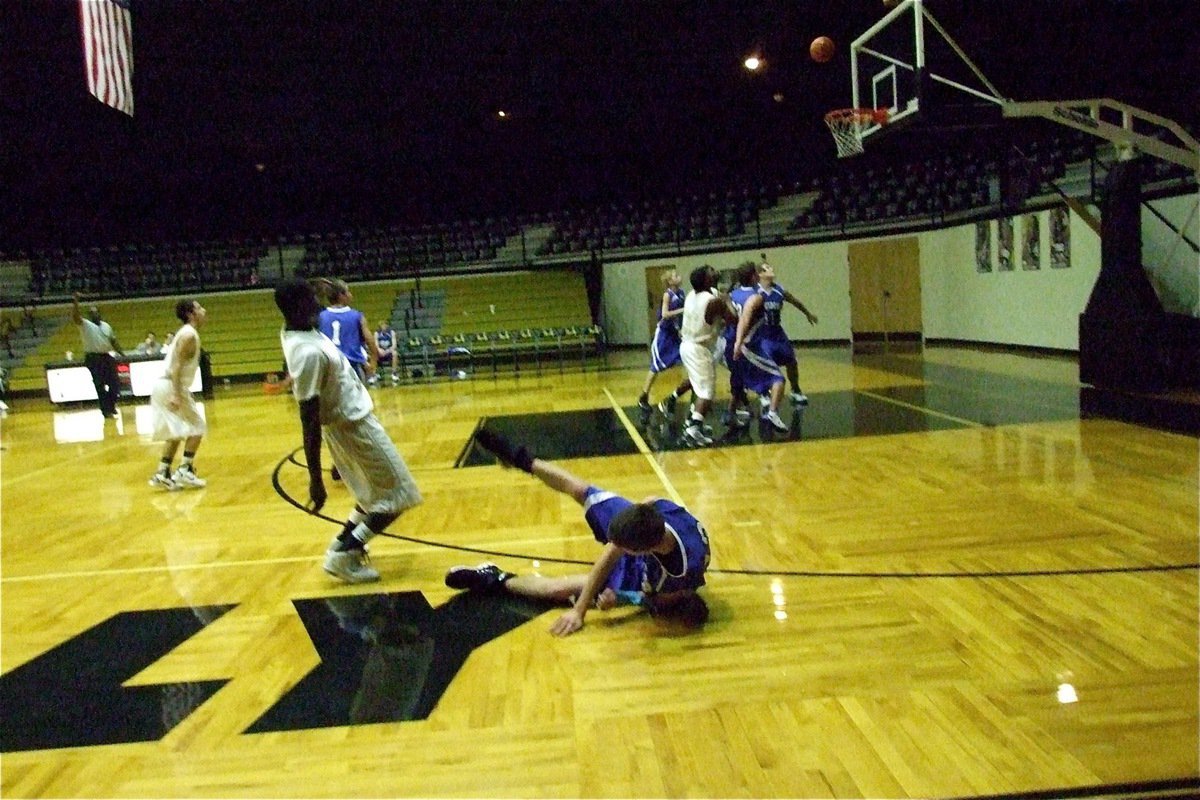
{"x":1001,"y":601}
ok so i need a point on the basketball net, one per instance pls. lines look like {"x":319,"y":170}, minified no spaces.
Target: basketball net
{"x":847,"y":126}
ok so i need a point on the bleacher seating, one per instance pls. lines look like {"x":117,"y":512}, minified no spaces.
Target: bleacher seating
{"x":491,"y":320}
{"x":621,"y":226}
{"x":498,"y":320}
{"x":146,"y":269}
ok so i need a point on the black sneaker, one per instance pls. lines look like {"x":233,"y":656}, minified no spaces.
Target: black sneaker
{"x":503,"y":449}
{"x":486,"y":577}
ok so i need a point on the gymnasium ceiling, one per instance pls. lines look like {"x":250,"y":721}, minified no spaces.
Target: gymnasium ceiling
{"x":261,"y":115}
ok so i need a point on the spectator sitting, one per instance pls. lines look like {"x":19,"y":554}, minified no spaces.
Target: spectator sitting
{"x":150,"y":346}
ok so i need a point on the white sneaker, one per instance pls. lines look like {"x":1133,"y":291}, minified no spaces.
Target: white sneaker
{"x":799,"y":398}
{"x":775,"y":421}
{"x":186,"y":479}
{"x":352,"y":566}
{"x":160,"y":481}
{"x":693,"y":436}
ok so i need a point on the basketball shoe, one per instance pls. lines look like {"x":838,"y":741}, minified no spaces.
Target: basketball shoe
{"x":773,"y":419}
{"x":486,"y":577}
{"x":509,"y":454}
{"x":694,"y":436}
{"x":352,"y":566}
{"x":158,"y":480}
{"x":187,"y":479}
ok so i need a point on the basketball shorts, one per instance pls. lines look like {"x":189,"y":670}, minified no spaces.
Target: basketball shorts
{"x":371,"y":467}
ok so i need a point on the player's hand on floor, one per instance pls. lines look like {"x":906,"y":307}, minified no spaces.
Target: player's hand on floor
{"x":567,"y":624}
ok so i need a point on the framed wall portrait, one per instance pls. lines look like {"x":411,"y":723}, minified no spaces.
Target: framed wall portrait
{"x":1060,"y":238}
{"x":983,"y":246}
{"x":1004,"y":245}
{"x":1031,"y":242}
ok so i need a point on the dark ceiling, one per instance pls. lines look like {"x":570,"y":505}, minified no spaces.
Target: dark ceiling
{"x":368,"y":111}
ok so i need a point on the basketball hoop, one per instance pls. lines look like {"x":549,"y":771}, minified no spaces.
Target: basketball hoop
{"x":847,"y":126}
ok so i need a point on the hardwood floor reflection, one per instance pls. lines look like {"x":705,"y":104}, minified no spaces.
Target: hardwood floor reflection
{"x":946,"y":583}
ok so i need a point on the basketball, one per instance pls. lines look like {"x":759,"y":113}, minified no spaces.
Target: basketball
{"x":821,"y":49}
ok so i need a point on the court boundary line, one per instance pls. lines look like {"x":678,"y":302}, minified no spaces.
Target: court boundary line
{"x":644,"y":448}
{"x":876,"y":575}
{"x":970,"y":423}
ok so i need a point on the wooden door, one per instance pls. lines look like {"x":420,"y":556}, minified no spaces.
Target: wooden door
{"x":885,"y":290}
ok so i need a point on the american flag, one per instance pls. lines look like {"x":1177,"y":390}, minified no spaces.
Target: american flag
{"x":108,"y":51}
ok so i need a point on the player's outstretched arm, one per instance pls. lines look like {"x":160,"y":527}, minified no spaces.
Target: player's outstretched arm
{"x":791,"y":298}
{"x":572,"y":620}
{"x":743,"y":326}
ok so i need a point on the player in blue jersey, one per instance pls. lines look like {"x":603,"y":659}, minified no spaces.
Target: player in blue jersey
{"x":385,"y":344}
{"x":664,"y":349}
{"x":655,"y":552}
{"x":750,"y":367}
{"x":347,"y":327}
{"x":778,"y":346}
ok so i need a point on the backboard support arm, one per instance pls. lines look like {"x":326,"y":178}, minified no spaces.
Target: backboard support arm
{"x":1086,"y":116}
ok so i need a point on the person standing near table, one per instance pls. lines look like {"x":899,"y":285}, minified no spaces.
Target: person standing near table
{"x":99,"y":342}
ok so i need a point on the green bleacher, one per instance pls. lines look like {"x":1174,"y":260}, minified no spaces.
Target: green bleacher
{"x":495,"y":316}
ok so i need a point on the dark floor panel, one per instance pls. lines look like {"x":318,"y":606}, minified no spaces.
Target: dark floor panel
{"x":831,"y":415}
{"x":568,"y":434}
{"x":991,"y":403}
{"x":388,"y":657}
{"x":73,"y":694}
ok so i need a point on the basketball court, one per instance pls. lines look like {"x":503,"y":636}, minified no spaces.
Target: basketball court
{"x":955,"y":575}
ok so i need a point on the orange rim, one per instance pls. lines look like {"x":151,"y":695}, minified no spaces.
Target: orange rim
{"x":878,"y":116}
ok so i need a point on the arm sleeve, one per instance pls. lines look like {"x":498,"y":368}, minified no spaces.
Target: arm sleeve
{"x":307,"y":371}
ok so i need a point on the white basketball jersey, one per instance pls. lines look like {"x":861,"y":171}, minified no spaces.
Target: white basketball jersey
{"x":695,"y":328}
{"x":319,"y":369}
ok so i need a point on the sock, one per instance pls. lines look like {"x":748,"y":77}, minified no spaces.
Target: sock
{"x":164,"y":467}
{"x":352,"y":521}
{"x":188,"y":459}
{"x":356,"y":538}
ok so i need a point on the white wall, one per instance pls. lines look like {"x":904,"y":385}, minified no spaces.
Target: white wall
{"x":817,"y":274}
{"x":1023,"y":307}
{"x":1032,"y":308}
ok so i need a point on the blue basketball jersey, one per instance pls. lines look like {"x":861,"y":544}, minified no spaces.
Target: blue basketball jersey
{"x":343,"y":326}
{"x":773,"y":311}
{"x":740,"y":295}
{"x":674,"y":303}
{"x":652,"y":573}
{"x":384,"y":339}
{"x":755,"y":370}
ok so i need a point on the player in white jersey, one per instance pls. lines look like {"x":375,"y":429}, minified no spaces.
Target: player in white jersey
{"x":174,"y":414}
{"x":333,"y":399}
{"x":704,"y":311}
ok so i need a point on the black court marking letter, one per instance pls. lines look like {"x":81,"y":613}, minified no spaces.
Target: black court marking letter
{"x":71,"y":696}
